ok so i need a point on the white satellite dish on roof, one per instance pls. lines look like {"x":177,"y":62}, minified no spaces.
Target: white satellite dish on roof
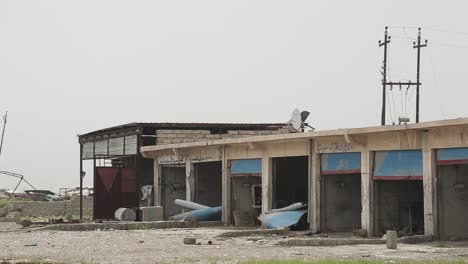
{"x":296,"y":121}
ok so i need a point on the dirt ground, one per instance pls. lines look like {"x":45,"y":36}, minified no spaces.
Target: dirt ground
{"x":165,"y":246}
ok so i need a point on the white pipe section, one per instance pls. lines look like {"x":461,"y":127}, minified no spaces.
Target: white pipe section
{"x":189,"y":205}
{"x":292,"y":207}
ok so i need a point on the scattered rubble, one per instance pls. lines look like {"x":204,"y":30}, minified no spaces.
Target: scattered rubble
{"x":165,"y":246}
{"x":246,"y":233}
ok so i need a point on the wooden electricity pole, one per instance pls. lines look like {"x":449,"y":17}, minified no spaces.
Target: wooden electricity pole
{"x":418,"y":46}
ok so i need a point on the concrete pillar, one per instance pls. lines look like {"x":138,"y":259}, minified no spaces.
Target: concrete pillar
{"x":367,"y":192}
{"x":429,"y":188}
{"x":391,"y":239}
{"x":226,"y":188}
{"x":314,"y":182}
{"x":267,"y":184}
{"x":189,"y":180}
{"x":157,"y":183}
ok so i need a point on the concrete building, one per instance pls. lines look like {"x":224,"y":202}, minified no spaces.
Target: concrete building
{"x":411,"y":178}
{"x":124,"y":178}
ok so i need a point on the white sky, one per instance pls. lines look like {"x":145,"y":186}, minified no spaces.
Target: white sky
{"x":71,"y":67}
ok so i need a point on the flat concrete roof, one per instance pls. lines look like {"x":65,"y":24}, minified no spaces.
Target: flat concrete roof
{"x":308,"y":135}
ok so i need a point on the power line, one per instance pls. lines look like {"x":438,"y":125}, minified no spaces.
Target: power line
{"x":446,"y":31}
{"x":417,"y":45}
{"x":435,"y":29}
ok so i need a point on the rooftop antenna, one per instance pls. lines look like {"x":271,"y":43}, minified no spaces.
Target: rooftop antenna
{"x":3,"y":131}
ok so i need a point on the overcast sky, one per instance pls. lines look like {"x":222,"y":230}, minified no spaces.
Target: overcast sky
{"x":71,"y":67}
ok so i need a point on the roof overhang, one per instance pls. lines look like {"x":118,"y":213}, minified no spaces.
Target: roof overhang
{"x":148,"y":150}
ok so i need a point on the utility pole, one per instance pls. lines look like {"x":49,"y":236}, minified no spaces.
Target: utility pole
{"x":419,"y":46}
{"x":408,"y":83}
{"x":3,"y":132}
{"x":384,"y":73}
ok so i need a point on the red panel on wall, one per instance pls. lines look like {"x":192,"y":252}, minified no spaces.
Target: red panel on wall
{"x":107,"y":176}
{"x":128,"y":180}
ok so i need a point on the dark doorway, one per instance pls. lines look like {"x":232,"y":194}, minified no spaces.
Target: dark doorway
{"x":452,"y":188}
{"x":208,"y":183}
{"x":400,"y":206}
{"x":173,"y":185}
{"x":290,"y":180}
{"x":341,"y":202}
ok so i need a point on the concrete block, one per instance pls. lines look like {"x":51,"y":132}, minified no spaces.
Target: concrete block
{"x":391,"y":239}
{"x":190,"y":241}
{"x":233,"y":132}
{"x":152,"y":213}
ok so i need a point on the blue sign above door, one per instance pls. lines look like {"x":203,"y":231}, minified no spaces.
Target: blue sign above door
{"x":398,"y":165}
{"x":452,"y":156}
{"x":341,"y":163}
{"x":246,"y":167}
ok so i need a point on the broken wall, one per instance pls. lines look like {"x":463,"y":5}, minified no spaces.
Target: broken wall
{"x":55,"y":208}
{"x":168,"y":136}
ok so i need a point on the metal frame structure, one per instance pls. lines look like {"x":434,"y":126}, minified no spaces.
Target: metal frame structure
{"x":145,"y":135}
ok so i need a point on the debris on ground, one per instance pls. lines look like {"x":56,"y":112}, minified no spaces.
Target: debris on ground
{"x":250,"y":232}
{"x":31,"y":245}
{"x":25,"y":222}
{"x":204,"y":214}
{"x":190,"y":241}
{"x":289,"y":216}
{"x":109,"y":247}
{"x":282,"y":219}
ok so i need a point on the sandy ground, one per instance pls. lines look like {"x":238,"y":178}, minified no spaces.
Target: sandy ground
{"x":165,"y":245}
